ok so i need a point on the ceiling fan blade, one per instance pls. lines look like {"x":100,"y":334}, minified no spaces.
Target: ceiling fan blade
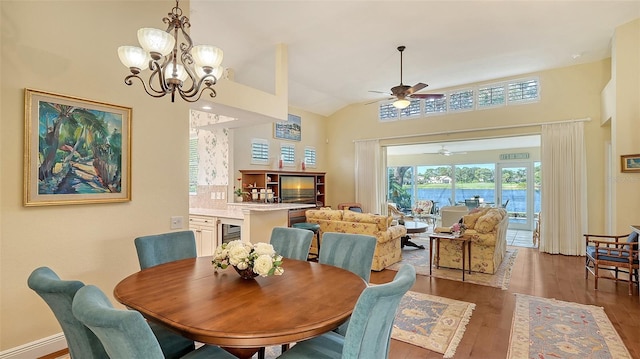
{"x":415,"y":88}
{"x":384,"y":92}
{"x":384,"y":99}
{"x":428,"y":96}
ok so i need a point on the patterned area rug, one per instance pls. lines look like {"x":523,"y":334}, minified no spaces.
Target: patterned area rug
{"x":430,"y":322}
{"x":549,"y":328}
{"x":420,"y":260}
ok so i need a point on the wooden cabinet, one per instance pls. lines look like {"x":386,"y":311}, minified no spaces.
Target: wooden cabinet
{"x":272,"y":180}
{"x":205,"y":230}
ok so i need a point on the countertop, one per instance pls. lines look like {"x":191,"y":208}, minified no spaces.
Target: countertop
{"x":235,"y":210}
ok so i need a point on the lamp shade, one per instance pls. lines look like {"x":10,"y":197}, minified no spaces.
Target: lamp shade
{"x":182,"y":74}
{"x":401,"y":103}
{"x":217,"y":72}
{"x":154,"y":40}
{"x":133,"y":56}
{"x":206,"y":55}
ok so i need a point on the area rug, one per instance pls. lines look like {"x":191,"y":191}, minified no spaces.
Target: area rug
{"x":430,"y":322}
{"x":420,"y":260}
{"x":549,"y":328}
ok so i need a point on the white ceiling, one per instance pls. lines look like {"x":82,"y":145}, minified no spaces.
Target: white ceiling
{"x":340,"y":50}
{"x":467,"y":146}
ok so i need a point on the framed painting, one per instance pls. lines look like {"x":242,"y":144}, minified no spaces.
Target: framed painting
{"x":290,"y":129}
{"x":630,"y":163}
{"x":76,"y":151}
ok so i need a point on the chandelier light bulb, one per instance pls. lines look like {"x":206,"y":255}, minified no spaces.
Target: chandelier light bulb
{"x":207,"y":55}
{"x":216,"y":72}
{"x":133,"y":57}
{"x":181,"y":73}
{"x":156,"y":41}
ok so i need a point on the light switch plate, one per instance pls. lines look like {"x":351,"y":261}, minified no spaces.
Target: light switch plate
{"x":176,"y":222}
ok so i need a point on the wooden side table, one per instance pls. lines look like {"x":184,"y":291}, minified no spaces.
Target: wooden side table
{"x":465,"y":242}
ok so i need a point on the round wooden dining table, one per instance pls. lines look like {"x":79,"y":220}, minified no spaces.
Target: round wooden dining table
{"x":242,"y":315}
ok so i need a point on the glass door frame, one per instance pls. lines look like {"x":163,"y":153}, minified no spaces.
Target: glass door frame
{"x":529,"y":211}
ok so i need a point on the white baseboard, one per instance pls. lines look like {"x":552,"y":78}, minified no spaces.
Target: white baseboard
{"x":36,"y":348}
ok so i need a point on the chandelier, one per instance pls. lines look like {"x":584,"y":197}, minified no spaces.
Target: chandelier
{"x":197,"y":71}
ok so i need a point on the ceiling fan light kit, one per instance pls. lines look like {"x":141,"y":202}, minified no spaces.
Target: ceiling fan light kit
{"x":401,"y":103}
{"x":403,"y":92}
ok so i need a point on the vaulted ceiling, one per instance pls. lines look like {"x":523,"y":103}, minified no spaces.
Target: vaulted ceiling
{"x":340,"y":50}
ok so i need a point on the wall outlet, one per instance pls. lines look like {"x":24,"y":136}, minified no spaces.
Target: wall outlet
{"x":176,"y":222}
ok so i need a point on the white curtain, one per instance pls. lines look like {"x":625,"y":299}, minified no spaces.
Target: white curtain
{"x":564,"y":206}
{"x":367,"y":175}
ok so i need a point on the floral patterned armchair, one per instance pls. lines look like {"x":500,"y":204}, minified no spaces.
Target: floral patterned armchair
{"x":388,"y":237}
{"x":487,"y":229}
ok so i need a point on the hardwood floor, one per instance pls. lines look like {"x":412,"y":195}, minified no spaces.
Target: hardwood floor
{"x":534,"y":273}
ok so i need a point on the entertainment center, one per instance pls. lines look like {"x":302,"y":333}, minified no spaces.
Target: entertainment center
{"x":302,"y":187}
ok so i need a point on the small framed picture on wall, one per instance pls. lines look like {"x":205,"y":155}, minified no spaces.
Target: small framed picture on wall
{"x":630,"y":163}
{"x":288,"y":130}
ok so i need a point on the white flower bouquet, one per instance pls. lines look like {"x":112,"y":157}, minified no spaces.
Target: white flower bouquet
{"x":248,"y":259}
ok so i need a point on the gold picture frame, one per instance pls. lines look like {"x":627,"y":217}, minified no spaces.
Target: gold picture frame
{"x":76,"y":151}
{"x":630,"y":163}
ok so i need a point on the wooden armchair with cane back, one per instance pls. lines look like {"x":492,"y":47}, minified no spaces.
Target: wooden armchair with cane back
{"x":612,"y":253}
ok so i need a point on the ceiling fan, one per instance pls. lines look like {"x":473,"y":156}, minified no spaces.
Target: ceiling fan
{"x":403,"y":92}
{"x":445,"y":152}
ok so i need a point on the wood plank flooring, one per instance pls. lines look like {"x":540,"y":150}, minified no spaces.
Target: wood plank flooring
{"x":534,"y":273}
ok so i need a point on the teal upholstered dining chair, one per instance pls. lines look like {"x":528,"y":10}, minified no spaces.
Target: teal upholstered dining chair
{"x":165,"y":247}
{"x":125,"y":333}
{"x":59,"y":295}
{"x":291,"y":243}
{"x":369,"y":333}
{"x":353,"y":252}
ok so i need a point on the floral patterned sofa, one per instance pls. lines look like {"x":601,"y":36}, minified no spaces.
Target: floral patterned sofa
{"x":388,"y":250}
{"x":487,"y":229}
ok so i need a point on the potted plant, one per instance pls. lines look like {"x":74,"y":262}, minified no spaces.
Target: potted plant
{"x":238,"y":191}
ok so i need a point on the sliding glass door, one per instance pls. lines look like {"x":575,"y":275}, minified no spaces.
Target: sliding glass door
{"x":516,"y":191}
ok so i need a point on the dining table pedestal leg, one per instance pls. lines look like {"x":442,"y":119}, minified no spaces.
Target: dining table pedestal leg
{"x":242,"y":353}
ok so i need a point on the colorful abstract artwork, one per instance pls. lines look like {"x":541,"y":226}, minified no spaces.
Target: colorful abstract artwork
{"x":76,"y":150}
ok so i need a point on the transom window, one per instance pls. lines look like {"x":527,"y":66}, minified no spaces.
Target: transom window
{"x":468,"y":99}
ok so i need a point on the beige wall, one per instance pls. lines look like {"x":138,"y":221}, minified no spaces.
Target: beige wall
{"x":313,"y":134}
{"x":69,"y":47}
{"x":566,"y":93}
{"x":625,"y":123}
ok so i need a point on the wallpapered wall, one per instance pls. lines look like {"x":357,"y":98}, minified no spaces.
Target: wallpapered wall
{"x":213,"y":160}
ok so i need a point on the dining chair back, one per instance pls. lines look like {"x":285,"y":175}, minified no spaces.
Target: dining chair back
{"x":165,"y":247}
{"x":353,"y":252}
{"x":472,"y":203}
{"x":291,"y":243}
{"x":59,"y":294}
{"x":351,"y":206}
{"x":125,"y":333}
{"x":82,"y":342}
{"x":370,"y":326}
{"x":369,"y":333}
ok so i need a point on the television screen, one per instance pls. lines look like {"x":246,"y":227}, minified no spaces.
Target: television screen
{"x":297,"y":189}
